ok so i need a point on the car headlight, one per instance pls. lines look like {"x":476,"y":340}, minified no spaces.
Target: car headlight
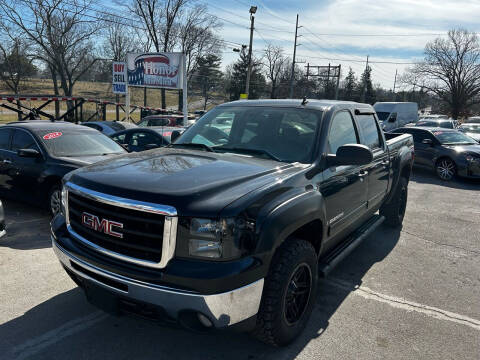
{"x":471,"y":158}
{"x":63,"y":201}
{"x":221,"y":239}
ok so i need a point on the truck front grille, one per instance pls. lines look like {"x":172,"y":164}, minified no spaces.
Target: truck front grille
{"x":130,"y":234}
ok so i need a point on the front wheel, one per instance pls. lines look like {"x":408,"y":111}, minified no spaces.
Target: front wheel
{"x":55,"y":198}
{"x":445,"y":169}
{"x":289,"y":293}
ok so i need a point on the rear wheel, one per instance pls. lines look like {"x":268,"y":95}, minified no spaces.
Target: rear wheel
{"x":289,"y":293}
{"x":394,"y":211}
{"x":445,"y":169}
{"x":55,"y":199}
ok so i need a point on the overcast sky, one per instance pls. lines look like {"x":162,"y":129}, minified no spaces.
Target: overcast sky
{"x":329,"y":27}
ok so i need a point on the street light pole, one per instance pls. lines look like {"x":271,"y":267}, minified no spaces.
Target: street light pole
{"x":292,"y":78}
{"x":253,"y":10}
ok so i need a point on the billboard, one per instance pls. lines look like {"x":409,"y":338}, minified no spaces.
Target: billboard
{"x":155,"y":70}
{"x":119,"y":84}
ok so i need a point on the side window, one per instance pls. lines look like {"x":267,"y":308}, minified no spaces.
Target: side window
{"x":23,"y":140}
{"x":370,"y":131}
{"x":143,"y":138}
{"x":120,"y":138}
{"x":5,"y":138}
{"x":342,"y":132}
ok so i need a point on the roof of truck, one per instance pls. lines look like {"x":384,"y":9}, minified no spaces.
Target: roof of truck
{"x":311,"y":103}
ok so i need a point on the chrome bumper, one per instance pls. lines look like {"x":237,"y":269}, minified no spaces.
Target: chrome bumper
{"x":223,"y":309}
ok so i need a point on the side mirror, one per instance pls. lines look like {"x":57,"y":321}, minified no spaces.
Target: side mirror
{"x":427,"y":142}
{"x":174,"y":136}
{"x":29,"y":153}
{"x":351,"y":154}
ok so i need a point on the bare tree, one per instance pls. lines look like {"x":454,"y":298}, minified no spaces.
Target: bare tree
{"x":450,"y":70}
{"x":61,"y":35}
{"x":160,"y":19}
{"x":119,"y":40}
{"x":274,"y":63}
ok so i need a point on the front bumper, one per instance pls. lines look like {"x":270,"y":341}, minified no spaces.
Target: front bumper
{"x":222,"y":309}
{"x":470,"y":169}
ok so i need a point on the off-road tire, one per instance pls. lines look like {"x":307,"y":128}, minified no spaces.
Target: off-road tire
{"x":394,"y":211}
{"x":272,"y":325}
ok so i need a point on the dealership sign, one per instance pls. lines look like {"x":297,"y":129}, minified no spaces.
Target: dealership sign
{"x":119,"y":84}
{"x":157,"y":70}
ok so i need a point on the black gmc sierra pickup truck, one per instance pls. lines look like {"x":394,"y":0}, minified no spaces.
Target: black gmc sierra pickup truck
{"x":234,"y":222}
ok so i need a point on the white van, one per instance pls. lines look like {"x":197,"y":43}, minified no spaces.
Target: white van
{"x":393,"y":115}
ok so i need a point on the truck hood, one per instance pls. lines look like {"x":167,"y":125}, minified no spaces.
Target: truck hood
{"x":194,"y":182}
{"x":80,"y":161}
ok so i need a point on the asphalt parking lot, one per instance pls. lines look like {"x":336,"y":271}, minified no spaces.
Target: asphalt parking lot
{"x":412,"y":293}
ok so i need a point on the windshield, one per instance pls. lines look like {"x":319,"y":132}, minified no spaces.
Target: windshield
{"x":453,"y":138}
{"x":278,"y":133}
{"x":78,"y":143}
{"x":382,"y":115}
{"x":471,"y":128}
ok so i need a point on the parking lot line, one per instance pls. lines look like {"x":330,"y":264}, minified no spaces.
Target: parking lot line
{"x":35,"y":345}
{"x":400,"y":303}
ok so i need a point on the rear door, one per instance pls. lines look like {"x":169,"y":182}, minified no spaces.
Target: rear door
{"x":379,"y":169}
{"x":344,"y":188}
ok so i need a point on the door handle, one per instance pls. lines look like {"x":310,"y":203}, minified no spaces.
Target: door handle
{"x":6,"y":161}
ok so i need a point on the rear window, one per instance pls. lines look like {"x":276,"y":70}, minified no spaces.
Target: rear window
{"x":116,"y":126}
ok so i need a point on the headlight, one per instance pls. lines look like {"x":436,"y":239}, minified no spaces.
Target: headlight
{"x":471,"y":158}
{"x":63,"y":201}
{"x":221,"y":239}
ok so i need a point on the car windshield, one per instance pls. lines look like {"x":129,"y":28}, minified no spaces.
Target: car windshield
{"x":382,"y":115}
{"x":471,"y":128}
{"x":453,"y":138}
{"x":278,"y":133}
{"x":79,"y":143}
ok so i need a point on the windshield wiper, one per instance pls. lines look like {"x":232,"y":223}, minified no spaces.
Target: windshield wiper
{"x":250,"y":151}
{"x":193,"y":145}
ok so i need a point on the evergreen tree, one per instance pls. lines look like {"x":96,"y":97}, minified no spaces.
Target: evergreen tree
{"x":208,"y":75}
{"x":367,"y":93}
{"x":239,"y":78}
{"x":350,"y":86}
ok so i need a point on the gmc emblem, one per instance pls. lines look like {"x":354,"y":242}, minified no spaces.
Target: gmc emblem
{"x":106,"y":226}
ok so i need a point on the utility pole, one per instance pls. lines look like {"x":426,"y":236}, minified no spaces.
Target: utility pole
{"x":253,"y":10}
{"x":365,"y":82}
{"x":395,"y":84}
{"x":338,"y":80}
{"x":292,"y":78}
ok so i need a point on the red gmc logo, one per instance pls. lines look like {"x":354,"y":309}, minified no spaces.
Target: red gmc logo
{"x":106,"y":226}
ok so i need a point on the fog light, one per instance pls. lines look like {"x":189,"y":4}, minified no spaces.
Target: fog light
{"x":204,"y":320}
{"x":205,"y":248}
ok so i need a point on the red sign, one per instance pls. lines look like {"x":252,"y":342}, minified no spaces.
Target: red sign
{"x":52,"y":135}
{"x":106,"y":226}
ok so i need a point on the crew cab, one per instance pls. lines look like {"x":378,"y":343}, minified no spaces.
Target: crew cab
{"x":231,"y":224}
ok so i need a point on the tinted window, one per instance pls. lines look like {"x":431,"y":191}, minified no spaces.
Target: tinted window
{"x":342,"y":132}
{"x":453,"y":137}
{"x":120,"y":138}
{"x":23,"y":140}
{"x":287,"y":134}
{"x":5,"y":138}
{"x":93,"y":126}
{"x":371,"y":133}
{"x":140,"y":139}
{"x":116,"y":126}
{"x":382,"y":115}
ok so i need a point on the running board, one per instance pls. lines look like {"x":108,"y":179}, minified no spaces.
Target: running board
{"x":345,"y":248}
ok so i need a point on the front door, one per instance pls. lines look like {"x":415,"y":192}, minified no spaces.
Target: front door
{"x":6,"y":169}
{"x":344,"y":188}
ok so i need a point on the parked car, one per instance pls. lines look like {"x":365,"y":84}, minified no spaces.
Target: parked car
{"x":35,"y":155}
{"x":472,"y":120}
{"x":163,"y":120}
{"x":440,"y":123}
{"x":434,"y":117}
{"x":472,"y":130}
{"x":109,"y":127}
{"x":393,"y":115}
{"x":449,"y":152}
{"x":141,"y":139}
{"x":229,"y":227}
